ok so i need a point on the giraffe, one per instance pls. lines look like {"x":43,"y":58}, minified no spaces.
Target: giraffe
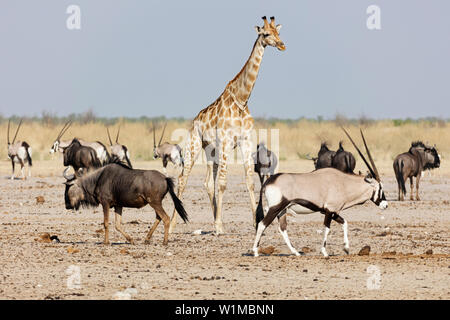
{"x":225,"y":124}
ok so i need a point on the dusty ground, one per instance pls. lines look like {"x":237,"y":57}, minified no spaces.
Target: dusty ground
{"x":209,"y":267}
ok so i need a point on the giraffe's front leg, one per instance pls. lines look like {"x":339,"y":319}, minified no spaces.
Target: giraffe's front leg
{"x":246,"y":148}
{"x":225,"y":148}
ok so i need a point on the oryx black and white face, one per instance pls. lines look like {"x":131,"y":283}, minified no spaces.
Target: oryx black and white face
{"x":55,"y":147}
{"x":156,"y":154}
{"x":378,"y":196}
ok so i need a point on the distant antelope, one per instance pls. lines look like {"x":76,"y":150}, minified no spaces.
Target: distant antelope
{"x":79,"y":156}
{"x":265,"y":162}
{"x":411,"y":164}
{"x":19,"y":152}
{"x":119,"y":151}
{"x":100,"y":149}
{"x":343,"y":160}
{"x":166,"y":151}
{"x":328,"y":191}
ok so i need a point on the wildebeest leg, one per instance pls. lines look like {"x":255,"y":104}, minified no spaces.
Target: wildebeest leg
{"x":118,"y":224}
{"x":342,"y":221}
{"x":13,"y":166}
{"x":326,"y":222}
{"x":153,"y":228}
{"x":411,"y":196}
{"x":417,"y":186}
{"x":282,"y":228}
{"x":106,"y":223}
{"x":165,"y":219}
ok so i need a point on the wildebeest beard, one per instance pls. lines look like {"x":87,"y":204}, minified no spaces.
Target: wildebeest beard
{"x":87,"y":184}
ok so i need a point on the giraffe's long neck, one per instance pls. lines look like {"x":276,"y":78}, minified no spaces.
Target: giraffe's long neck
{"x":242,"y":85}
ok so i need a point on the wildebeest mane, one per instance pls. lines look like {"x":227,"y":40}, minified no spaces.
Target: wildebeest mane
{"x":88,"y":183}
{"x":417,"y":144}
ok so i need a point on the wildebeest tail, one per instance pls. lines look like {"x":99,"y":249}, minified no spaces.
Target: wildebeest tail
{"x":398,"y":169}
{"x":177,"y":202}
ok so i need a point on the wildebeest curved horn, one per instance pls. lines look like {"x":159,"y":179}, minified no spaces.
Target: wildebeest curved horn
{"x":17,"y":131}
{"x":374,"y":167}
{"x":9,"y":123}
{"x":117,"y":137}
{"x":162,"y":134}
{"x":360,"y":153}
{"x":109,"y":137}
{"x":64,"y":129}
{"x":66,"y":176}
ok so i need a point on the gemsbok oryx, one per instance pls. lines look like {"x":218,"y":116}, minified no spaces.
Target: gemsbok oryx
{"x":119,"y":151}
{"x":99,"y":148}
{"x":265,"y":162}
{"x":166,"y":151}
{"x":116,"y":185}
{"x":343,"y":160}
{"x":328,"y":191}
{"x":411,"y":164}
{"x":19,"y":152}
{"x":79,"y":156}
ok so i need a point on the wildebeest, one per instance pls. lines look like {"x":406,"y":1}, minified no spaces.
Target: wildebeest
{"x":119,"y":151}
{"x":19,"y":152}
{"x":167,"y":152}
{"x":411,"y":164}
{"x":328,"y":191}
{"x":324,"y":158}
{"x":79,"y":156}
{"x":265,"y":162}
{"x":117,"y":186}
{"x":343,"y":160}
{"x":100,"y":148}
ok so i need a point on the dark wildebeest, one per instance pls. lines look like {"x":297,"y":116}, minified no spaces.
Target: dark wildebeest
{"x":411,"y":164}
{"x":116,"y":185}
{"x":265,"y":162}
{"x":343,"y":160}
{"x":324,"y":157}
{"x":79,"y":156}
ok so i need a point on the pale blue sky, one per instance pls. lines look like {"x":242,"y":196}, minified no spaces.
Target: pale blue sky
{"x":173,"y":58}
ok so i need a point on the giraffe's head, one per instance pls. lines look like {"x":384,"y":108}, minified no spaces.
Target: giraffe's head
{"x":269,"y":34}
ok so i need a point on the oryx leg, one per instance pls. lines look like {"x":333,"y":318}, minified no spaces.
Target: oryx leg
{"x":118,"y":224}
{"x":326,"y":222}
{"x":282,"y":228}
{"x":246,"y":148}
{"x":106,"y":223}
{"x":193,"y":148}
{"x":22,"y":165}
{"x":342,"y":221}
{"x":264,"y":223}
{"x":13,"y":167}
{"x":417,"y":187}
{"x":411,"y":196}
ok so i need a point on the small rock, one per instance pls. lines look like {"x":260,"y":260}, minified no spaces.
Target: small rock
{"x":197,"y":232}
{"x":364,"y":251}
{"x":44,"y":237}
{"x":124,"y":251}
{"x":72,"y":250}
{"x":267,"y":250}
{"x":307,"y":250}
{"x":40,"y":200}
{"x":429,"y":251}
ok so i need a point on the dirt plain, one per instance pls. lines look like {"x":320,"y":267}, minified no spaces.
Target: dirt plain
{"x":409,"y":257}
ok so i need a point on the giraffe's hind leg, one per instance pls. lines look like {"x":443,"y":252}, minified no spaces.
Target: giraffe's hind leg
{"x":192,"y":150}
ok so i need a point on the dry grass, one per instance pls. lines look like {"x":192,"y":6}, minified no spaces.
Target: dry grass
{"x":297,"y":139}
